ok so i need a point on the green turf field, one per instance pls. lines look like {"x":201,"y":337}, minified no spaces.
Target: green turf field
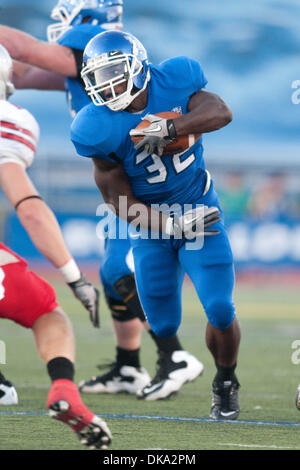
{"x":269,"y":319}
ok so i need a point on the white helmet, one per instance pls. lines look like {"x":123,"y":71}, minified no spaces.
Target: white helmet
{"x":6,"y":86}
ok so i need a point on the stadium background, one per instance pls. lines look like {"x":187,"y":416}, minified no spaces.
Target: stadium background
{"x":250,"y":54}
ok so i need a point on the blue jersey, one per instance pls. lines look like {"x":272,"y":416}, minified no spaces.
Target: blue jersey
{"x":99,"y":132}
{"x":77,"y":38}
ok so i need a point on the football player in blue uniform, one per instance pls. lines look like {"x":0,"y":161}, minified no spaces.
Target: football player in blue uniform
{"x":78,"y":21}
{"x":125,"y":89}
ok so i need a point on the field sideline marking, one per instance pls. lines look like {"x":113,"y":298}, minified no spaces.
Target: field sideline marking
{"x":230,"y":444}
{"x":166,"y":418}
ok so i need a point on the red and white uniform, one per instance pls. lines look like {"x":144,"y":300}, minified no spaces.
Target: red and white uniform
{"x":24,"y":296}
{"x":19,"y":134}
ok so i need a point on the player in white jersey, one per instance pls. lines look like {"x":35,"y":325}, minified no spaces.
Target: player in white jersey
{"x":27,"y":299}
{"x":19,"y":134}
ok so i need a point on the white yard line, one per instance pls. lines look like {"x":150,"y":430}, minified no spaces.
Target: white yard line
{"x":231,"y":444}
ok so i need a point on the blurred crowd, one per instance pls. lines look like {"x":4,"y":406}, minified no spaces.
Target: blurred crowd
{"x":260,"y":197}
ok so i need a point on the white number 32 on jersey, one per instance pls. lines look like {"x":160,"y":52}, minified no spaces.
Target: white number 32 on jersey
{"x":159,"y":166}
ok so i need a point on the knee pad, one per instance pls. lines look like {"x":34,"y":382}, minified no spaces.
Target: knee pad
{"x":220,"y":314}
{"x":126,"y":289}
{"x":119,"y":310}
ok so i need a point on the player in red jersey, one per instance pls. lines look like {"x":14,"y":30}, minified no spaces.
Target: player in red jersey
{"x":25,"y":297}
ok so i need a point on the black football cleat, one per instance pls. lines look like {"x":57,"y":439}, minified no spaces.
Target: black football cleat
{"x":225,"y":400}
{"x":120,"y":378}
{"x":173,"y":371}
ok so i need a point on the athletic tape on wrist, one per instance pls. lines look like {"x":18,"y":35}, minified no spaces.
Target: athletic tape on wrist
{"x":70,"y":271}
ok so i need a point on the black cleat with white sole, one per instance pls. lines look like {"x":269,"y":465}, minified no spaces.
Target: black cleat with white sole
{"x":225,"y":400}
{"x":174,"y":370}
{"x":119,"y":379}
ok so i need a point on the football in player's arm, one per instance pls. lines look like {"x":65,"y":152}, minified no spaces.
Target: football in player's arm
{"x":207,"y":112}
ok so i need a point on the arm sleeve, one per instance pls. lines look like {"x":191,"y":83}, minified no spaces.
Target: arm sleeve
{"x":91,"y":152}
{"x":92,"y":133}
{"x":9,"y":155}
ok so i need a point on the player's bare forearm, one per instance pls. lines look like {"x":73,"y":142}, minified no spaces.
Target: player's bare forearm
{"x":11,"y":39}
{"x":44,"y":231}
{"x":26,"y":48}
{"x":207,"y":112}
{"x":26,"y":76}
{"x":35,"y":216}
{"x":113,"y":182}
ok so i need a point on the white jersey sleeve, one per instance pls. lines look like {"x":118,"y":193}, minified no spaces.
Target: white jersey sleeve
{"x":19,"y":135}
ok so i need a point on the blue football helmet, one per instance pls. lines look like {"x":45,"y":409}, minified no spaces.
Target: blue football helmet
{"x":69,"y":13}
{"x":112,"y":59}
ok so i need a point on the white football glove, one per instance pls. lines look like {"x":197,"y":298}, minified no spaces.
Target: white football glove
{"x":88,"y":296}
{"x":194,"y":223}
{"x":157,"y":135}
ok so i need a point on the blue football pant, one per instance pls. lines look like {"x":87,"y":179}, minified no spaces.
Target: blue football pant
{"x":160,"y":266}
